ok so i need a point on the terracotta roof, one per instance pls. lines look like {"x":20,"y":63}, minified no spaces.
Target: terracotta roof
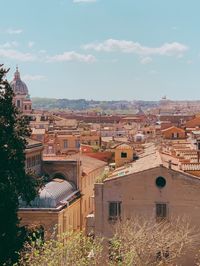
{"x":123,"y":146}
{"x":173,"y":127}
{"x":147,"y":160}
{"x":89,"y":164}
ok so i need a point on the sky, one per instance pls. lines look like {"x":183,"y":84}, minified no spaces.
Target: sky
{"x":103,"y":49}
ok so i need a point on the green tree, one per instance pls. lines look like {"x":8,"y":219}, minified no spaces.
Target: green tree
{"x":135,"y":242}
{"x":71,"y":248}
{"x":15,"y":182}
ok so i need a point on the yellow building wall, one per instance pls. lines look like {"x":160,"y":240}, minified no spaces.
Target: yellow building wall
{"x":119,"y":161}
{"x":61,"y":221}
{"x":71,"y":143}
{"x":47,"y":219}
{"x":87,"y":191}
{"x":69,"y":218}
{"x":90,"y":140}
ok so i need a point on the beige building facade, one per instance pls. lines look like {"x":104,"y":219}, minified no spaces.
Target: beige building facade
{"x":62,"y":142}
{"x":68,"y":198}
{"x":149,"y":189}
{"x":56,"y":208}
{"x":33,"y":154}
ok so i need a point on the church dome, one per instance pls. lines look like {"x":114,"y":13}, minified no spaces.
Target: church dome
{"x":18,"y":86}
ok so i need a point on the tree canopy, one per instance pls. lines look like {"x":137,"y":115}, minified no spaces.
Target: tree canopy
{"x":15,"y":182}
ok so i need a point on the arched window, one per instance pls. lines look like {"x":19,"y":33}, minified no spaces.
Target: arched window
{"x":60,"y":176}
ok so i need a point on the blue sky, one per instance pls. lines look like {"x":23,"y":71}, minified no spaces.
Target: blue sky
{"x":103,"y":49}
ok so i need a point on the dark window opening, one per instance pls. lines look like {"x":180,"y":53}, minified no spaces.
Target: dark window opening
{"x":65,"y":144}
{"x":161,"y":211}
{"x":114,"y":210}
{"x":160,"y":182}
{"x":123,"y":155}
{"x":18,"y":103}
{"x":77,"y":143}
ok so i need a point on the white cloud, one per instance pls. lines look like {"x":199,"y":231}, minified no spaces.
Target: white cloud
{"x":31,"y":44}
{"x":5,"y":45}
{"x":84,"y":1}
{"x":9,"y":52}
{"x":29,"y":77}
{"x":71,"y":56}
{"x":14,"y":31}
{"x":111,"y":45}
{"x":9,"y":44}
{"x":146,"y":60}
{"x":17,"y":55}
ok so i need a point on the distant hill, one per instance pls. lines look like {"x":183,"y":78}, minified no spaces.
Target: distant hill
{"x":82,"y":104}
{"x":50,"y":103}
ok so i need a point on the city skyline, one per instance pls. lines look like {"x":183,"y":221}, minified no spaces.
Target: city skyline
{"x":103,"y":50}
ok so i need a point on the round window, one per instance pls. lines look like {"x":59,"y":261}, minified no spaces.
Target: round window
{"x":160,"y":182}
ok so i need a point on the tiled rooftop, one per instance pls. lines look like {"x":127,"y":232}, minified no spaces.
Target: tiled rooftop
{"x":89,"y":164}
{"x":178,"y":156}
{"x":149,"y":159}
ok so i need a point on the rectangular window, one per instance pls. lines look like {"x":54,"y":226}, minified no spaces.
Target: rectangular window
{"x":77,"y":143}
{"x":18,"y":104}
{"x":161,"y":211}
{"x":123,"y":155}
{"x":65,"y":144}
{"x":114,"y":210}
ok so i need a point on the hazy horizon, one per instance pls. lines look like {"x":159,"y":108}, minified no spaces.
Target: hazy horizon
{"x":128,"y":100}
